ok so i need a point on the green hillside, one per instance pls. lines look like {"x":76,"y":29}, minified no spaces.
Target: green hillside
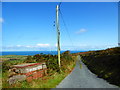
{"x":104,"y":63}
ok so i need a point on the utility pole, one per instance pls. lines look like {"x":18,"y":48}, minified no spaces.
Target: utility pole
{"x":58,"y":33}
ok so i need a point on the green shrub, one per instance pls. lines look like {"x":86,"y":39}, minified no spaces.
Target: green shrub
{"x":30,"y":59}
{"x":7,"y":64}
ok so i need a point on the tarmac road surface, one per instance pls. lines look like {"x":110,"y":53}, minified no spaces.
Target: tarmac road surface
{"x":82,"y":77}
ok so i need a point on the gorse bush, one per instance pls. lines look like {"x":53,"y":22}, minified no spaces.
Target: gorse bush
{"x":36,"y":58}
{"x":7,"y":64}
{"x":50,"y":60}
{"x":30,"y":59}
{"x":52,"y":63}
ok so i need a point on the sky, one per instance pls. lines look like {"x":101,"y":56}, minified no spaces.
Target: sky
{"x":29,"y":26}
{"x":60,"y":0}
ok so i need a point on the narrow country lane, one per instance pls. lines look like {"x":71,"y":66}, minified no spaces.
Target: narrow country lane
{"x":81,"y":77}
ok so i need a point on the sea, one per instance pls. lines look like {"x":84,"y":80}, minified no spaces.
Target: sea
{"x":33,"y":52}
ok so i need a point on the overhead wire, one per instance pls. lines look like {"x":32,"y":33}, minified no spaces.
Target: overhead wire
{"x":59,"y":4}
{"x":64,"y":23}
{"x":66,"y":28}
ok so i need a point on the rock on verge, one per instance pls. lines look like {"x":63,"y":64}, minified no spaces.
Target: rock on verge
{"x":16,"y":78}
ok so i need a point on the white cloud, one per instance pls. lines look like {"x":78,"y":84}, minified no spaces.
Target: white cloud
{"x":1,"y":20}
{"x":56,"y":45}
{"x":48,"y":47}
{"x":28,"y":46}
{"x":33,"y":46}
{"x":81,"y":31}
{"x":42,"y":45}
{"x":18,"y":45}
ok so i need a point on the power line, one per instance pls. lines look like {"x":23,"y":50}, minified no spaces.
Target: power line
{"x":66,"y":27}
{"x":60,"y":4}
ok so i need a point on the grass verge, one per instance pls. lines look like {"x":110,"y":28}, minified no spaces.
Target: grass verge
{"x":49,"y":81}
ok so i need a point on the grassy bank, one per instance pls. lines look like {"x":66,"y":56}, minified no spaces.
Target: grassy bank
{"x":104,"y":63}
{"x":51,"y":80}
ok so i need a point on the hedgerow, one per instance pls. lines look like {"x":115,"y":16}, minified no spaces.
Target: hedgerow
{"x":104,"y":63}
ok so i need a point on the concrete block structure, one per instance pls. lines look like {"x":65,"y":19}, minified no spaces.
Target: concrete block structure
{"x":27,"y":71}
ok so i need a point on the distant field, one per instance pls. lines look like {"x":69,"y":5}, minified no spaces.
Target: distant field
{"x":8,"y":57}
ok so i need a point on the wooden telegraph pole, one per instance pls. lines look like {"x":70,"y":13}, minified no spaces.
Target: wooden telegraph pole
{"x":58,"y":33}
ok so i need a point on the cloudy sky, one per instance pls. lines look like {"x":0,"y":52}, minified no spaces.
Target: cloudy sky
{"x":30,"y":26}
